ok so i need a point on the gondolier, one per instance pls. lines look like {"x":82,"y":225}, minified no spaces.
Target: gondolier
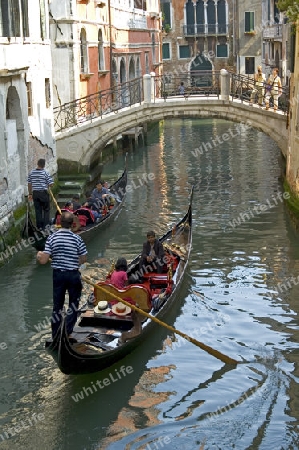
{"x":39,"y":180}
{"x":68,"y":252}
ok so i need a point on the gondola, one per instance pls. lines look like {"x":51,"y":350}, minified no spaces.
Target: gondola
{"x":101,"y":338}
{"x":38,"y":238}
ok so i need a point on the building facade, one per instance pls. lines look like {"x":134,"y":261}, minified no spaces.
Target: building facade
{"x":26,"y":117}
{"x":278,"y":40}
{"x":197,"y":35}
{"x":98,"y":44}
{"x":292,"y":163}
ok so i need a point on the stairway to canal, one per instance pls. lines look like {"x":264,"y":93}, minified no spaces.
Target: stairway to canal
{"x":70,"y":185}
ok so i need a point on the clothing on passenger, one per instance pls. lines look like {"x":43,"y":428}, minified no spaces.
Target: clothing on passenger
{"x":119,"y":279}
{"x":156,"y":251}
{"x":97,"y":197}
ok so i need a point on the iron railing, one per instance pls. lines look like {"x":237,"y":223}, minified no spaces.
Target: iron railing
{"x":205,"y":29}
{"x":201,"y":83}
{"x":242,"y":87}
{"x":93,"y":106}
{"x":197,"y":83}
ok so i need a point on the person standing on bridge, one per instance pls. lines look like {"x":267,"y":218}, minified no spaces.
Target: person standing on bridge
{"x":259,"y":87}
{"x":274,"y":83}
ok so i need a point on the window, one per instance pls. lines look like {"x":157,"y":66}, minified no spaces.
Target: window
{"x":211,"y":13}
{"x":47,"y":93}
{"x":140,"y":4}
{"x":100,"y":51}
{"x":200,"y":16}
{"x":146,"y":63}
{"x":221,"y":14}
{"x":190,"y":17}
{"x":249,"y":65}
{"x":29,"y":98}
{"x":166,"y":51}
{"x":83,"y":52}
{"x":221,"y":51}
{"x":166,"y":15}
{"x":43,"y":31}
{"x":13,"y":14}
{"x":249,"y":21}
{"x":184,"y":51}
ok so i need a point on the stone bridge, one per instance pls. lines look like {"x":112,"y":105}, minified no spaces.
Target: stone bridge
{"x":83,"y":143}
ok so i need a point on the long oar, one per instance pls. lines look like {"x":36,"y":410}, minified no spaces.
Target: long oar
{"x":212,"y":351}
{"x":55,"y":202}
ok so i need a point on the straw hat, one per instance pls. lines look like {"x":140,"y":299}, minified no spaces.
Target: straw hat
{"x":102,"y":308}
{"x":120,"y":309}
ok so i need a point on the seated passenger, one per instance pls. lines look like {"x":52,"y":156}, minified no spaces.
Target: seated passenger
{"x":91,"y":204}
{"x":76,"y":202}
{"x":119,"y":277}
{"x":100,"y":195}
{"x":152,"y":256}
{"x":85,"y":215}
{"x":68,"y":207}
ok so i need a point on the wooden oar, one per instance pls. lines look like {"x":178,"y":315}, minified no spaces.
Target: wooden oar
{"x":212,"y":351}
{"x":55,"y":202}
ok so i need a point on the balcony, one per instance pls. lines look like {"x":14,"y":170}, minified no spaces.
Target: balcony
{"x":137,"y":22}
{"x":273,"y":32}
{"x":214,"y":29}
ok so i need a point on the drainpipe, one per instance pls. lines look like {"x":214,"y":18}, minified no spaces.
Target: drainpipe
{"x":110,"y":44}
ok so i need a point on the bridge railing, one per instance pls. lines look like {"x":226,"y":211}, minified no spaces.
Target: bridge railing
{"x":203,"y":83}
{"x":167,"y":86}
{"x":88,"y":108}
{"x":243,"y":87}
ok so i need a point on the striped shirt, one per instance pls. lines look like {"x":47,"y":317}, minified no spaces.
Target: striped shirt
{"x":40,"y":179}
{"x":65,"y":247}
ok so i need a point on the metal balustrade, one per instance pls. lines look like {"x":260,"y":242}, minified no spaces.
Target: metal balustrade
{"x":201,"y":83}
{"x":243,"y":85}
{"x":198,"y":83}
{"x":93,"y":106}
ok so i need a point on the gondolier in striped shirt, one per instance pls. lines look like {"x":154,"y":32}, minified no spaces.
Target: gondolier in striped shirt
{"x":39,"y":180}
{"x":68,"y":252}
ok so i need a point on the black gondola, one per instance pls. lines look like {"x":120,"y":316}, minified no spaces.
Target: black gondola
{"x":103,"y":339}
{"x":38,"y":238}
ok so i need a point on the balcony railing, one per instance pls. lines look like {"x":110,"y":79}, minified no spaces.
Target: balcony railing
{"x":205,"y":29}
{"x":273,"y":31}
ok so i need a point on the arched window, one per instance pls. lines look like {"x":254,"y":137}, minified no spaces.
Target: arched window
{"x":101,"y":65}
{"x":200,"y":16}
{"x":146,"y":63}
{"x":132,"y":69}
{"x":83,"y":52}
{"x":153,"y":48}
{"x":211,"y":13}
{"x":190,"y":17}
{"x":221,"y":14}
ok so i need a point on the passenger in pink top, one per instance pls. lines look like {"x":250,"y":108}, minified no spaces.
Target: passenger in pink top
{"x":119,"y":277}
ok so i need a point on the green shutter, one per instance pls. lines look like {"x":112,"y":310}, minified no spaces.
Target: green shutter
{"x":221,"y":51}
{"x":184,"y":51}
{"x":166,"y":51}
{"x":249,"y":21}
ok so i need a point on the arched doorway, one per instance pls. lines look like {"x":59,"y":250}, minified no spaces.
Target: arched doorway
{"x":200,"y":71}
{"x":124,"y":89}
{"x":132,"y":76}
{"x":15,"y":161}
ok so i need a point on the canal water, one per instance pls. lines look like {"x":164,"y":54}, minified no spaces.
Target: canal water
{"x":239,"y":296}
